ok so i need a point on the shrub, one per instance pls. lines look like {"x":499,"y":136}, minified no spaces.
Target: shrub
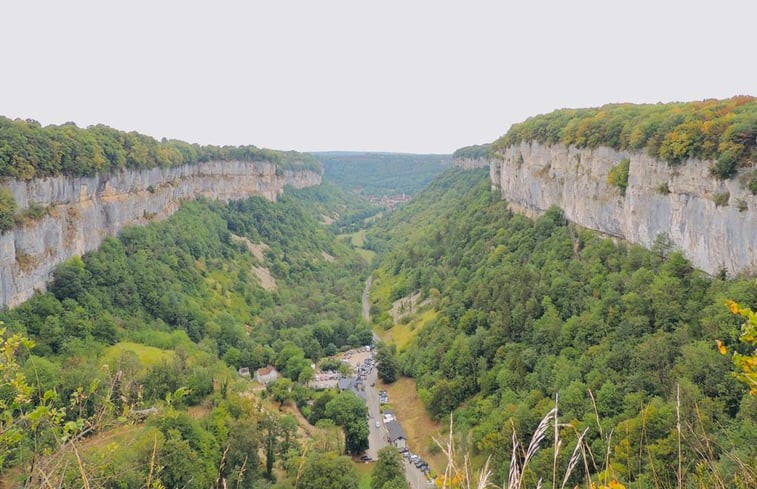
{"x":725,"y":166}
{"x":721,"y":198}
{"x":618,"y":176}
{"x":752,"y":182}
{"x":663,"y":188}
{"x":741,"y":205}
{"x":7,"y":210}
{"x":34,"y":212}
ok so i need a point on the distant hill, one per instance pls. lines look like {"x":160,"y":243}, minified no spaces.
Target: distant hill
{"x":378,"y":174}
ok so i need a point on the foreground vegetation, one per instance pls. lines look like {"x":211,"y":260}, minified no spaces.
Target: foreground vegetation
{"x":721,"y":130}
{"x":529,"y":309}
{"x":163,"y":317}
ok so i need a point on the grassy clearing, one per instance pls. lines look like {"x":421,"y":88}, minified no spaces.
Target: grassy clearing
{"x":358,"y":241}
{"x":364,"y":471}
{"x":367,"y":255}
{"x":418,"y":425}
{"x":199,"y":412}
{"x":381,"y":289}
{"x":148,"y":356}
{"x":402,"y":334}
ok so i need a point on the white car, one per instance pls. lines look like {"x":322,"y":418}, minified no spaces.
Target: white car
{"x":378,"y":424}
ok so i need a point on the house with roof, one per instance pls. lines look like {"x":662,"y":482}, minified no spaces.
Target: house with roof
{"x":396,"y":434}
{"x":266,"y":375}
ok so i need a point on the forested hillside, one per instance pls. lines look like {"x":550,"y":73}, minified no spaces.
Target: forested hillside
{"x":722,"y":130}
{"x":378,"y":174}
{"x":29,"y":150}
{"x":341,"y":210}
{"x":477,"y":151}
{"x":161,"y":318}
{"x":523,"y":310}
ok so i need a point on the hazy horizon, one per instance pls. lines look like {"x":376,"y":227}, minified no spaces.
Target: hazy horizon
{"x":423,"y":77}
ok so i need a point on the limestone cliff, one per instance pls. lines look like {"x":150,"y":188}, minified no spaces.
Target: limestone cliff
{"x":677,"y":201}
{"x":82,"y":211}
{"x":471,"y":163}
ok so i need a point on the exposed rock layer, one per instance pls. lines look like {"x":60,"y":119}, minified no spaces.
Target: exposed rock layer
{"x":676,"y":201}
{"x":81,"y":212}
{"x":471,"y":163}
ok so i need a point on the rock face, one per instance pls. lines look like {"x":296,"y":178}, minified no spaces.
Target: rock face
{"x":82,"y":211}
{"x":676,"y":201}
{"x":471,"y":163}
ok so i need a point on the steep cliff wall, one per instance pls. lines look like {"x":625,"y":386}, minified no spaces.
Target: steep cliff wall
{"x":81,"y":212}
{"x":677,"y":201}
{"x":471,"y":163}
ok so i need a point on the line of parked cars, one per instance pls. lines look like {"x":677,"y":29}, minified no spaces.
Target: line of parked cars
{"x":365,"y":368}
{"x":416,"y":460}
{"x":383,"y":397}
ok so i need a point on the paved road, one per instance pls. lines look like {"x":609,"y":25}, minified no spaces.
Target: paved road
{"x":415,"y":477}
{"x":367,"y":299}
{"x":376,"y":436}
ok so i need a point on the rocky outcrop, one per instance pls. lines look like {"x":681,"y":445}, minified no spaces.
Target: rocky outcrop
{"x":713,"y":222}
{"x":81,"y":212}
{"x":471,"y":163}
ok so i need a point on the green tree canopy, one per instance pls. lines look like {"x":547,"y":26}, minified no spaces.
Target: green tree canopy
{"x":388,"y":467}
{"x":328,"y":471}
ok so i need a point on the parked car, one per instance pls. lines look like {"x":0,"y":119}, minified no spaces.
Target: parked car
{"x":378,"y":424}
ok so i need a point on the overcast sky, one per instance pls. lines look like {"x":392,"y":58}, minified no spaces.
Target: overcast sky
{"x":409,"y":76}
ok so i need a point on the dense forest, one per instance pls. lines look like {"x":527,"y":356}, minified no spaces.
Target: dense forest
{"x":342,"y":211}
{"x":523,"y":310}
{"x":378,"y":174}
{"x":162,"y":317}
{"x":475,"y":152}
{"x":126,"y":372}
{"x":721,"y":130}
{"x":29,"y":150}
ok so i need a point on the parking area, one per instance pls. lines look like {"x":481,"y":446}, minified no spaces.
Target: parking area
{"x":356,"y":357}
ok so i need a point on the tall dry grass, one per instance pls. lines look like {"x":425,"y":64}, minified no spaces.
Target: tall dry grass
{"x":596,"y":474}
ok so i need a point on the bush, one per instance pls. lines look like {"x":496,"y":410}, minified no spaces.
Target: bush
{"x":663,"y":188}
{"x":725,"y":167}
{"x":618,"y":176}
{"x":721,"y":198}
{"x":34,"y":212}
{"x":752,"y":182}
{"x":7,"y":210}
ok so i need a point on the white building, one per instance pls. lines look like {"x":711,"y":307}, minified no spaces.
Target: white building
{"x":266,"y":375}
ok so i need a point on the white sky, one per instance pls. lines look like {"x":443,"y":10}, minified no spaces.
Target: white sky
{"x":411,"y":76}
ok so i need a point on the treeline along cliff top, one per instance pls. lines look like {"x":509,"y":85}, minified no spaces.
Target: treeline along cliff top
{"x":722,"y":130}
{"x":28,"y":150}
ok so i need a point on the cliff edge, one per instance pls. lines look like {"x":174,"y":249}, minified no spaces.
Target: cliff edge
{"x":712,"y":221}
{"x":81,"y":211}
